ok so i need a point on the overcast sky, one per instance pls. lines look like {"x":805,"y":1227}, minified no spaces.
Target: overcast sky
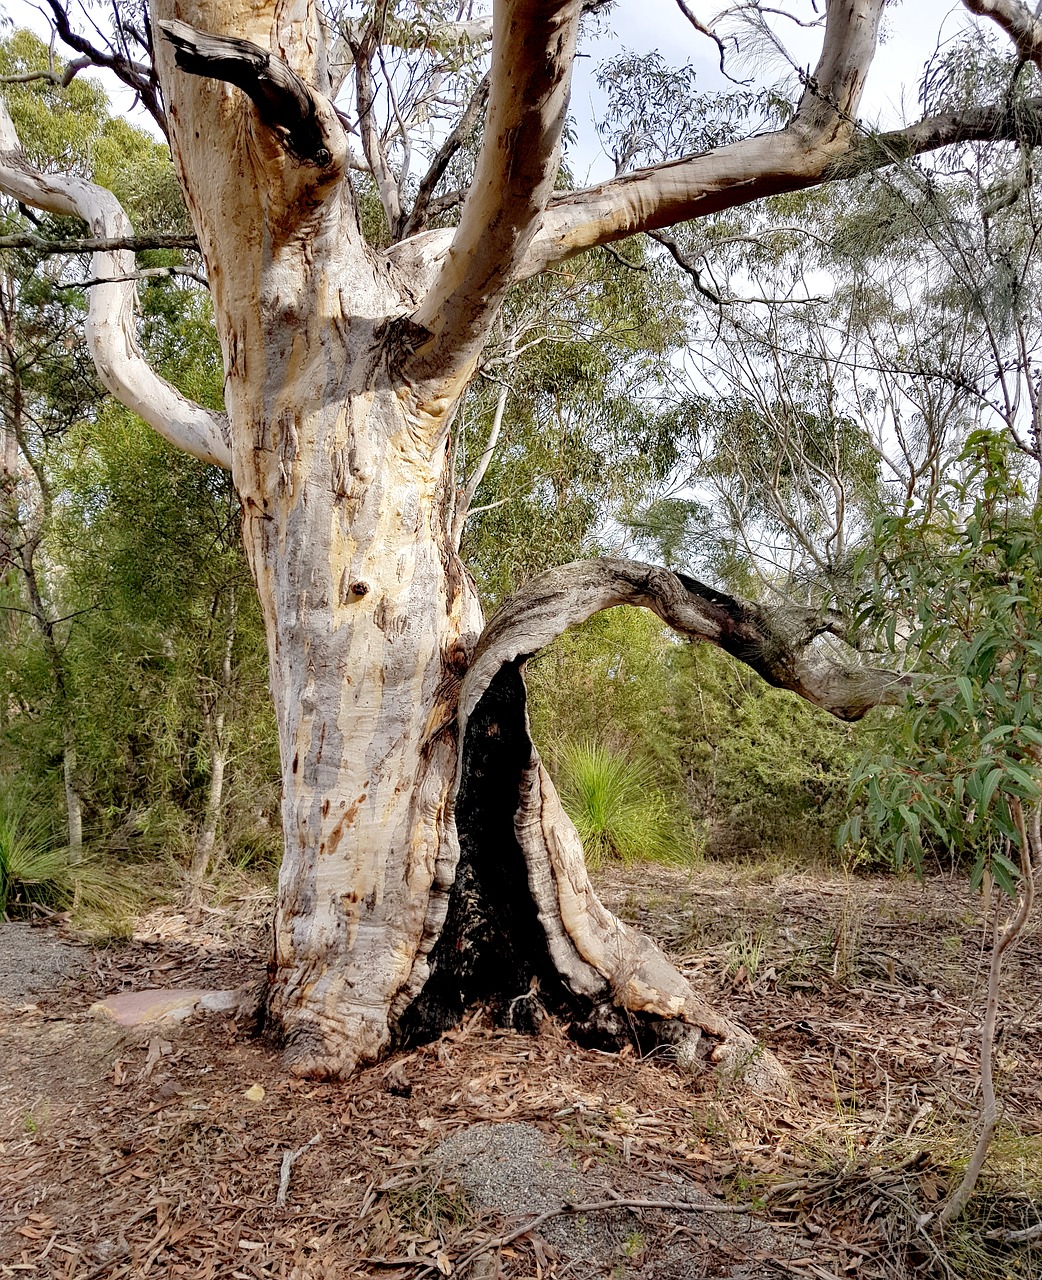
{"x":912,"y":30}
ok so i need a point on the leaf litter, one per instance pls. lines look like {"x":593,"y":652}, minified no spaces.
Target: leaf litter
{"x":124,"y":1153}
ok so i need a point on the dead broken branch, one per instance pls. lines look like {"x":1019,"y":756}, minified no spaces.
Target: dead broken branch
{"x":289,"y":1158}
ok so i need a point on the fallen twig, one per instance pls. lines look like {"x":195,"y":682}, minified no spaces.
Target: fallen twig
{"x":596,"y":1206}
{"x":1015,"y":1237}
{"x":288,"y":1159}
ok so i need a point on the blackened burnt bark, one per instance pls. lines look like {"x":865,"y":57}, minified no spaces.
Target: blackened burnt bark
{"x":492,"y":948}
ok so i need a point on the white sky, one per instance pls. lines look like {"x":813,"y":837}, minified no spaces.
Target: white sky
{"x":912,"y":29}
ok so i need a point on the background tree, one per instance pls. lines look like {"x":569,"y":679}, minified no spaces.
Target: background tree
{"x":131,"y":573}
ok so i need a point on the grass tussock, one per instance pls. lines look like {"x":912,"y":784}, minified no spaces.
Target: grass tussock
{"x":618,"y":811}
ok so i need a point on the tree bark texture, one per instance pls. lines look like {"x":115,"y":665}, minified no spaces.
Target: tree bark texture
{"x":428,"y":862}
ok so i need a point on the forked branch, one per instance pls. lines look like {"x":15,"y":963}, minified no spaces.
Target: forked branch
{"x":823,"y":143}
{"x":110,"y":328}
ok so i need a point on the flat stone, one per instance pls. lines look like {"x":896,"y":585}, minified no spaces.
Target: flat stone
{"x":134,"y":1008}
{"x":221,"y":1001}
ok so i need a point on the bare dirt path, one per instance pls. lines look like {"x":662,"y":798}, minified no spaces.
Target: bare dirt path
{"x":158,"y":1152}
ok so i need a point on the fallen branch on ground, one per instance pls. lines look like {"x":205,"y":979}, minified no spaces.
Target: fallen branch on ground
{"x":596,"y":1206}
{"x":288,"y":1160}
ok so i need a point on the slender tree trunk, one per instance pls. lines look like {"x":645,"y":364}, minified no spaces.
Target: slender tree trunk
{"x":44,"y":623}
{"x":73,"y":801}
{"x":213,"y":720}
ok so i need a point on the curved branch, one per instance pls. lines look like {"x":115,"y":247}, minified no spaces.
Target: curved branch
{"x":1018,"y":22}
{"x":110,"y":328}
{"x":285,"y":104}
{"x":778,"y":644}
{"x":753,"y":169}
{"x":601,"y":960}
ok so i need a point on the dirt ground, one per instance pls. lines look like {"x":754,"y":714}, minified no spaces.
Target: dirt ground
{"x":127,"y":1153}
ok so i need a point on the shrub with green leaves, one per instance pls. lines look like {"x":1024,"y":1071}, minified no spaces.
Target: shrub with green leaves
{"x":956,"y":595}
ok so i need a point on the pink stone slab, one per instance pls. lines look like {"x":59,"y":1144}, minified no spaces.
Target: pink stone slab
{"x":132,"y":1008}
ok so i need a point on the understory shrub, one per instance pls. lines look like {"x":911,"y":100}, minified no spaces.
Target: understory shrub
{"x":617,"y":809}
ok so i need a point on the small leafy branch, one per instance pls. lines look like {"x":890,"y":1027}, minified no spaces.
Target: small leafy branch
{"x":956,"y":594}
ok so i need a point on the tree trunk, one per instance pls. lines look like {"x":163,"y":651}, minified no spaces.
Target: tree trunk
{"x":428,"y":862}
{"x":213,"y":720}
{"x":370,"y":619}
{"x":417,"y":876}
{"x":73,"y":801}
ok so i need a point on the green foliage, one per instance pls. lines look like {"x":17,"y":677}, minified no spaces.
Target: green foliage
{"x":767,"y":772}
{"x":617,"y":809}
{"x":33,"y":865}
{"x":751,"y":768}
{"x":655,"y":112}
{"x":957,"y":593}
{"x":582,"y":435}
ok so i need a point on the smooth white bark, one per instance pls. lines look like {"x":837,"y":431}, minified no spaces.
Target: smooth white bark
{"x":110,"y":327}
{"x":533,"y":45}
{"x":1022,"y":25}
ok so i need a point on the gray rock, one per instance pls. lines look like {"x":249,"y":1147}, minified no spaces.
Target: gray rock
{"x":33,"y":962}
{"x":514,"y":1170}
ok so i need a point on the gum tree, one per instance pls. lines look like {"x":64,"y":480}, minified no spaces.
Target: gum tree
{"x":427,"y":859}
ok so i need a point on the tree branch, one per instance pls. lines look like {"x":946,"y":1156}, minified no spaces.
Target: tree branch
{"x":602,"y":960}
{"x":753,"y":169}
{"x":135,"y":75}
{"x":421,"y":209}
{"x":533,"y":47}
{"x":466,"y":495}
{"x":1022,"y":26}
{"x":98,"y":244}
{"x":372,"y":144}
{"x":778,"y":644}
{"x":63,"y":81}
{"x":110,"y":328}
{"x":285,"y":104}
